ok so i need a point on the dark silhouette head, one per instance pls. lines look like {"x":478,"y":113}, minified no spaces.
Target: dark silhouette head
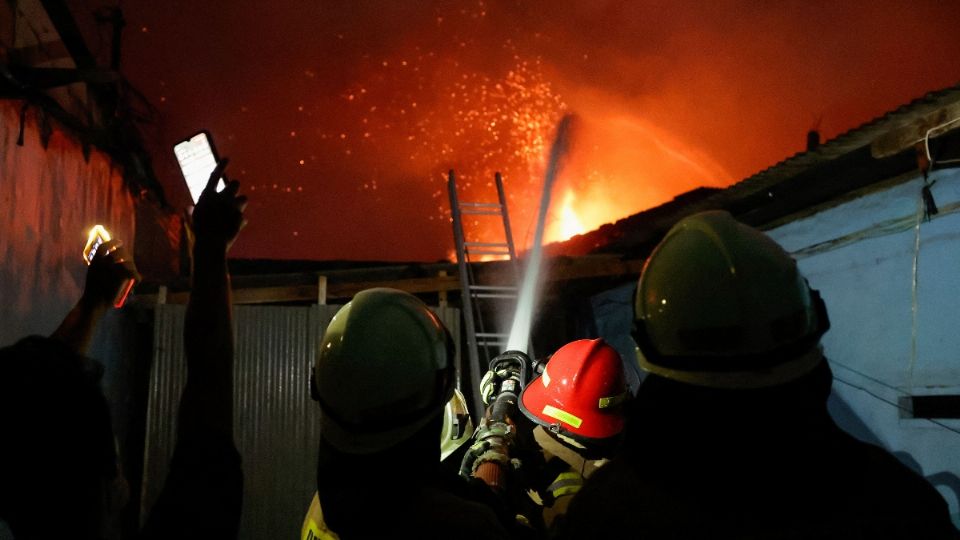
{"x":58,"y":462}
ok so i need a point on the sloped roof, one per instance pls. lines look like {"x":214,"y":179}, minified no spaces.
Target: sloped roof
{"x":845,"y":143}
{"x":801,"y":180}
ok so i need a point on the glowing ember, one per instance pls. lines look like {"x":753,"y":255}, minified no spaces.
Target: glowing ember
{"x":476,"y":85}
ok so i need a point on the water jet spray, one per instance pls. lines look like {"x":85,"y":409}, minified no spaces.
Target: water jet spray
{"x":519,"y":339}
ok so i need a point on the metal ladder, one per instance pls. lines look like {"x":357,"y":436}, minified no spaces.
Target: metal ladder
{"x":482,"y":345}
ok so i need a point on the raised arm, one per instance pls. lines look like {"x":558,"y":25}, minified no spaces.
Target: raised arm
{"x":203,"y":492}
{"x":207,"y":400}
{"x":111,"y":268}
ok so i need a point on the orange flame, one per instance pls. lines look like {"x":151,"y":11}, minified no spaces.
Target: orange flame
{"x":569,"y":224}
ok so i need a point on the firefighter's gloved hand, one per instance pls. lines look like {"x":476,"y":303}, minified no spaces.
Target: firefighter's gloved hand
{"x":488,"y":386}
{"x":493,"y":442}
{"x":500,"y":432}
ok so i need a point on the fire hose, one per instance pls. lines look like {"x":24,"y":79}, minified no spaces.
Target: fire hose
{"x":489,"y":456}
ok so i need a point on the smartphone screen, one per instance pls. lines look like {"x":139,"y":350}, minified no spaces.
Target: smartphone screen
{"x":197,"y":160}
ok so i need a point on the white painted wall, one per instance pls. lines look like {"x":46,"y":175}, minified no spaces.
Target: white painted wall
{"x":891,"y":283}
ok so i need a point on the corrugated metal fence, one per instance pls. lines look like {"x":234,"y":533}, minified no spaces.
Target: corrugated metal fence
{"x":276,"y":422}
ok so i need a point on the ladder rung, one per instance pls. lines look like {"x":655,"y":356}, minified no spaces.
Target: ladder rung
{"x":495,"y":295}
{"x":486,"y":244}
{"x":492,"y":342}
{"x":480,"y":204}
{"x":492,"y":288}
{"x":491,"y":335}
{"x":482,"y":212}
{"x":488,"y":252}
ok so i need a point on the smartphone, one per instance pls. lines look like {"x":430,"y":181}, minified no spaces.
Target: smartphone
{"x":97,"y":236}
{"x":197,"y":159}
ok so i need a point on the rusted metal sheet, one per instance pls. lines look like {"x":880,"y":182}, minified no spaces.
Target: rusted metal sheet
{"x":276,"y":422}
{"x":49,"y":199}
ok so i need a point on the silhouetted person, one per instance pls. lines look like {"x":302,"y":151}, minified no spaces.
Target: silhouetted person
{"x":729,"y":436}
{"x":57,"y":450}
{"x":456,"y":432}
{"x":384,"y":373}
{"x":59,"y":472}
{"x":204,"y":488}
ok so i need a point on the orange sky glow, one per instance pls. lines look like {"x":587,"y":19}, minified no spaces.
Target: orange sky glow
{"x":341,"y":119}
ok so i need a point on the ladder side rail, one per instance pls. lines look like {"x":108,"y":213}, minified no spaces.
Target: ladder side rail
{"x":483,"y":354}
{"x":468,"y":320}
{"x":506,"y":217}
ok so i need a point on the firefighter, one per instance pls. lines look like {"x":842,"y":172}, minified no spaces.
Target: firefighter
{"x":576,"y":405}
{"x":457,"y":429}
{"x":383,"y":374}
{"x":729,"y":435}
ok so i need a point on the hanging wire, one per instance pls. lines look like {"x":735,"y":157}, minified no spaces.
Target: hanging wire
{"x":926,"y":142}
{"x":914,"y":288}
{"x":896,"y":405}
{"x":870,"y":377}
{"x":885,"y":385}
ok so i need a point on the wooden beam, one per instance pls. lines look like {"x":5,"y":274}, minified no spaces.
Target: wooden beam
{"x":897,"y":140}
{"x":270,"y":295}
{"x":443,"y":294}
{"x":558,"y":269}
{"x":66,"y":27}
{"x":322,"y":290}
{"x":413,"y":286}
{"x":565,"y":268}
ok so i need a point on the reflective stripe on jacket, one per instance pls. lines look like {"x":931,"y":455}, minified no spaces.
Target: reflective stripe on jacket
{"x":314,"y":528}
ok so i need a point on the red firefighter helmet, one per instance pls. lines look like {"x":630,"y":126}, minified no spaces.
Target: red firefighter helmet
{"x":579,"y":392}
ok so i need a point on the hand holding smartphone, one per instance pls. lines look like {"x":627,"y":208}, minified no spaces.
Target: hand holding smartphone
{"x":97,"y":236}
{"x":119,"y":275}
{"x":197,"y":158}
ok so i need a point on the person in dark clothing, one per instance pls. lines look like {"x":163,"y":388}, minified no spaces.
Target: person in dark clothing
{"x":457,"y":430}
{"x":384,"y":373}
{"x":203,"y":492}
{"x":729,"y":435}
{"x":59,"y":472}
{"x":55,"y":421}
{"x":57,"y":440}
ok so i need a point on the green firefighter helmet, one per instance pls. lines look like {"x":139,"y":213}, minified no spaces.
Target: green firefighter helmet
{"x":722,"y":305}
{"x":384,"y":369}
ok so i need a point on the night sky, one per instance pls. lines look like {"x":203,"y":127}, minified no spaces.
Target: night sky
{"x":341,"y":118}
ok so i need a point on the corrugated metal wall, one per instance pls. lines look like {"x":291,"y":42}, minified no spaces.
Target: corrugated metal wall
{"x":276,"y":422}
